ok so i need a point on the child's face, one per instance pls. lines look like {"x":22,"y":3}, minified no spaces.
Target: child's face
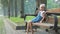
{"x":42,"y":8}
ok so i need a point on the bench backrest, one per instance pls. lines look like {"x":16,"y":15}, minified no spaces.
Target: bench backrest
{"x":53,"y":11}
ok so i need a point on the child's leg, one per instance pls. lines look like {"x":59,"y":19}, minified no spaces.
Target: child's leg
{"x":28,"y":25}
{"x":31,"y":27}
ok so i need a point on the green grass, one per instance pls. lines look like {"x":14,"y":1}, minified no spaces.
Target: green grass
{"x":2,"y":31}
{"x":19,"y":20}
{"x":29,"y":18}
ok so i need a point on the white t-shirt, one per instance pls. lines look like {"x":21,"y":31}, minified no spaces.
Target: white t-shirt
{"x":41,"y":13}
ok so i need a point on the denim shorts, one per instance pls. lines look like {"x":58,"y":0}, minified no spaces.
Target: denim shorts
{"x":36,"y":19}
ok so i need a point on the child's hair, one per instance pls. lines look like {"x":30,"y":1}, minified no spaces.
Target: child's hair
{"x":37,"y":9}
{"x":42,"y":5}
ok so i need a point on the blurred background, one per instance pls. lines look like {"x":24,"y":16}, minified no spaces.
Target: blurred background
{"x":15,"y":10}
{"x":18,"y":7}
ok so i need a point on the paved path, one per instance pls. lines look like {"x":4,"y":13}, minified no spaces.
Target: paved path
{"x":2,"y":27}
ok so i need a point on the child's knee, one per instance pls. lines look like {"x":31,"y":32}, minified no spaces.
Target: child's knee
{"x":29,"y":21}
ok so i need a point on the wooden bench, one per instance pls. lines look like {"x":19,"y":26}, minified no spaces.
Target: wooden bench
{"x":54,"y":26}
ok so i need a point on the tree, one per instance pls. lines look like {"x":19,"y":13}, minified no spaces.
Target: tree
{"x":9,"y":8}
{"x":5,"y":4}
{"x":15,"y":8}
{"x":22,"y":8}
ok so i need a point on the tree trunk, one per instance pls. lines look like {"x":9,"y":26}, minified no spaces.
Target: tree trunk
{"x":9,"y":9}
{"x":22,"y":9}
{"x":15,"y":8}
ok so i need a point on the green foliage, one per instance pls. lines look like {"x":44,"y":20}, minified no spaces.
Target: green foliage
{"x":4,"y":2}
{"x":29,"y":6}
{"x":52,"y":4}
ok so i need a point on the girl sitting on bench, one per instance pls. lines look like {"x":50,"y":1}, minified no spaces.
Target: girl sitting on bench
{"x":38,"y":19}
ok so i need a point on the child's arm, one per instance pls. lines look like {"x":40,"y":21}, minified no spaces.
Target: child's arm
{"x":43,"y":15}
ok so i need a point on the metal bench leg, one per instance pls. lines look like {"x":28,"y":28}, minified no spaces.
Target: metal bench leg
{"x":26,"y":26}
{"x":56,"y":23}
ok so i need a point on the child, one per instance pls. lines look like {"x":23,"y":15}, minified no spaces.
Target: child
{"x":38,"y":19}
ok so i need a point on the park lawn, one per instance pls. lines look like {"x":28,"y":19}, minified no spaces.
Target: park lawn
{"x":19,"y":20}
{"x":29,"y":18}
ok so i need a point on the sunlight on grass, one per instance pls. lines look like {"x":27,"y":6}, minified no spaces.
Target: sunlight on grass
{"x":17,"y":19}
{"x":29,"y":18}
